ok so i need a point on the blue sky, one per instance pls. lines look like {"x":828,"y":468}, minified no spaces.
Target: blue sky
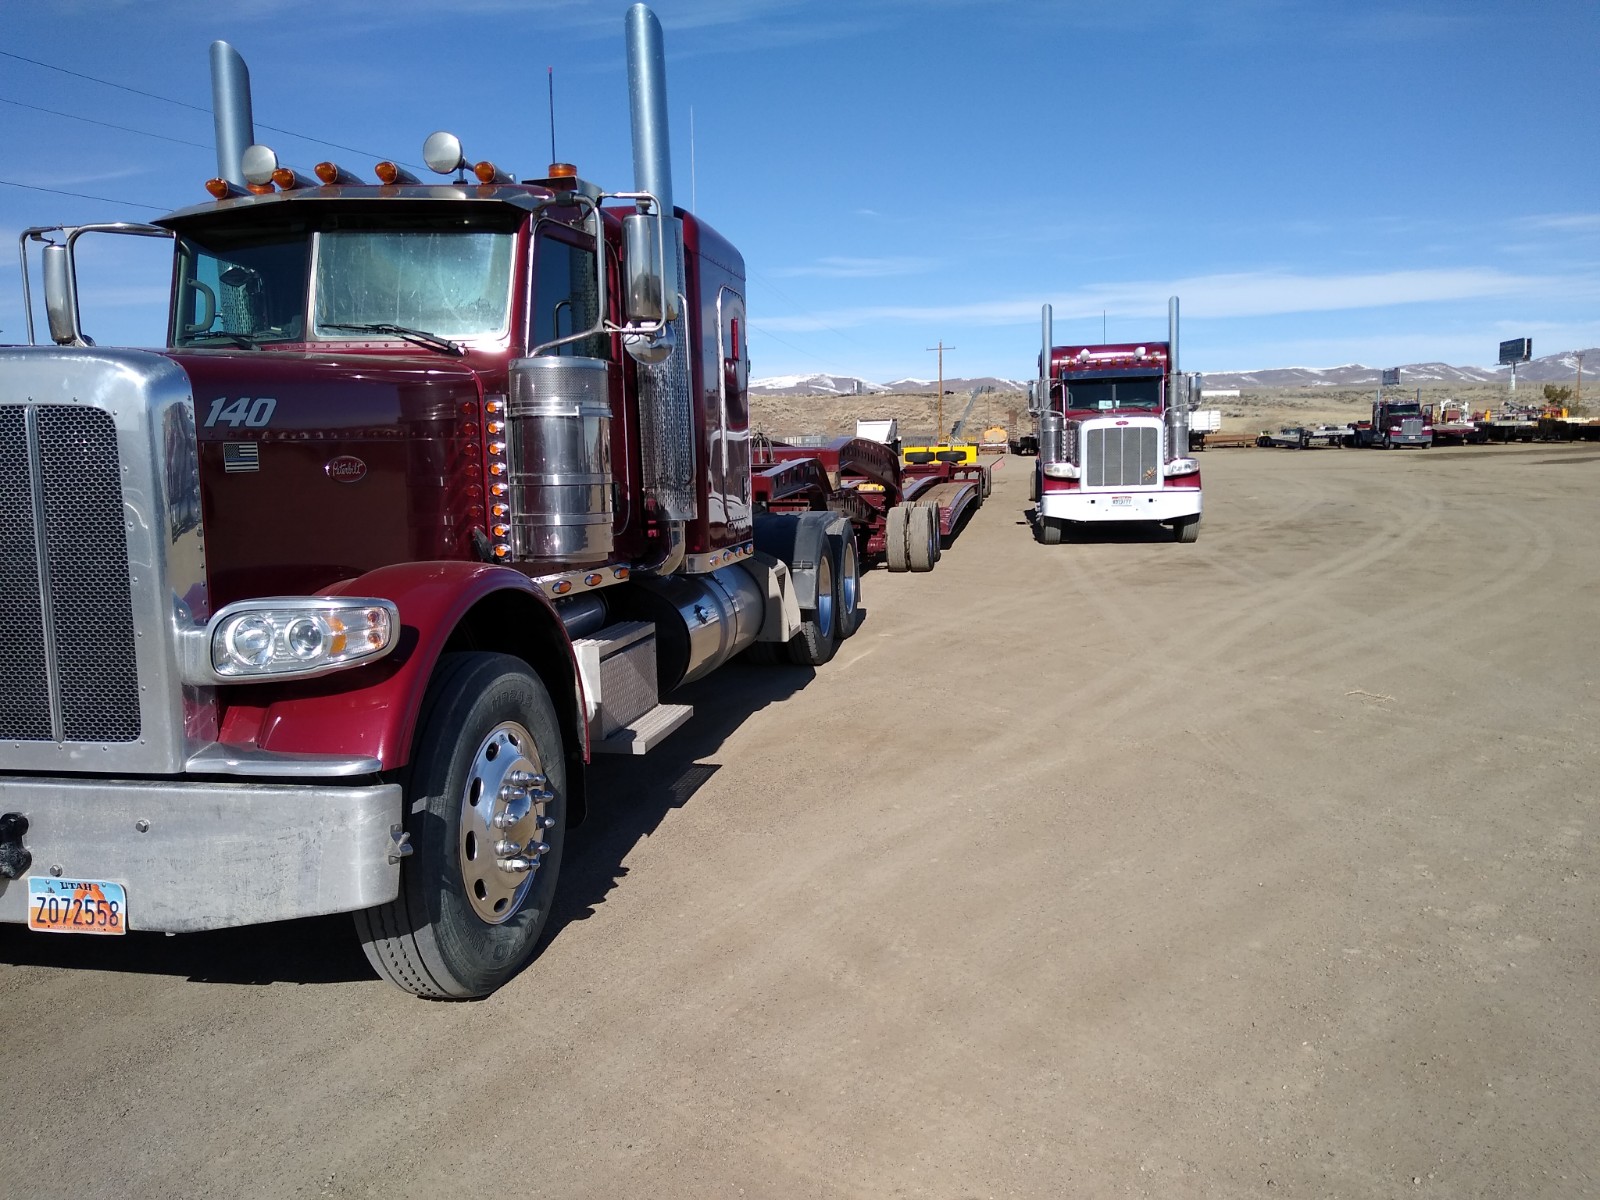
{"x":1320,"y":182}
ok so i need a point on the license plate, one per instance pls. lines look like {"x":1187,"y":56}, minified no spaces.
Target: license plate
{"x":1122,"y":502}
{"x":77,"y":906}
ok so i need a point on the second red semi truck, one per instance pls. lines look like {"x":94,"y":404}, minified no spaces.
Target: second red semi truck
{"x":1112,"y":424}
{"x":436,"y":490}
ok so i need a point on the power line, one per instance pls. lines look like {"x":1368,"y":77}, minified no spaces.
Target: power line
{"x":185,"y":104}
{"x":105,"y":124}
{"x":754,"y":328}
{"x":82,"y":195}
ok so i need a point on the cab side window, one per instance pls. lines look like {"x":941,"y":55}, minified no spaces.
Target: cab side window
{"x":565,"y":300}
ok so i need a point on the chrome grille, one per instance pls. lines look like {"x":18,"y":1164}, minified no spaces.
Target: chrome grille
{"x":1121,"y":456}
{"x":68,"y":656}
{"x":1411,"y":427}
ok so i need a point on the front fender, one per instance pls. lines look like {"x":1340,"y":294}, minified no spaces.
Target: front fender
{"x":372,"y":710}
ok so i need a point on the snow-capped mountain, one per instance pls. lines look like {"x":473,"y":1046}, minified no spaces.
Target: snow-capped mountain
{"x":848,"y":385}
{"x":1553,"y":368}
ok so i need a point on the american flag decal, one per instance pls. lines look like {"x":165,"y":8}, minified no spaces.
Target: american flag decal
{"x":241,"y":456}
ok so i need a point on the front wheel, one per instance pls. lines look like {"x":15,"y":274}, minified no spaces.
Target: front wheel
{"x":1187,"y":529}
{"x":486,"y":808}
{"x":1050,"y":531}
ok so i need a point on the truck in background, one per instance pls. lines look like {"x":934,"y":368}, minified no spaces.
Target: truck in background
{"x":436,"y":490}
{"x":1112,"y":429}
{"x":1394,"y":423}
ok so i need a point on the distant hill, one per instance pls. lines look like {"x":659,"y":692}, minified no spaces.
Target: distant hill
{"x":849,"y":385}
{"x":1552,"y":368}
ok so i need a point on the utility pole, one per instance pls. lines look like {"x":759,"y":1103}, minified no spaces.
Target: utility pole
{"x":938,"y":429}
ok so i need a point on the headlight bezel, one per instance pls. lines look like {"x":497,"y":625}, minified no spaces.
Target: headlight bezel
{"x":351,"y":631}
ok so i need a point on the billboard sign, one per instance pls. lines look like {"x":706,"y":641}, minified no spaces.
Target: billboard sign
{"x":1515,"y":351}
{"x":1391,"y":377}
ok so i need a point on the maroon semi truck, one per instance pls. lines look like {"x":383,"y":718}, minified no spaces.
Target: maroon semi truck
{"x":1112,"y":426}
{"x":436,"y":490}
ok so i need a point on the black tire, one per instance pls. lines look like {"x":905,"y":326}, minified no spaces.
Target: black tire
{"x":1050,"y":531}
{"x":985,"y":485}
{"x":461,"y":926}
{"x":895,"y":544}
{"x":849,"y":612}
{"x":938,"y":538}
{"x":819,"y":633}
{"x":922,"y":538}
{"x":1186,"y":530}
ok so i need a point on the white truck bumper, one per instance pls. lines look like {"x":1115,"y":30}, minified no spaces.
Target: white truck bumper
{"x":195,"y":856}
{"x":1155,"y":504}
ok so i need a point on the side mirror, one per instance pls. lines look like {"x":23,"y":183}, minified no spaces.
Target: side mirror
{"x":61,"y":296}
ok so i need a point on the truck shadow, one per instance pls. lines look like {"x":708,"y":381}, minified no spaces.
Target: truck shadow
{"x":628,"y":799}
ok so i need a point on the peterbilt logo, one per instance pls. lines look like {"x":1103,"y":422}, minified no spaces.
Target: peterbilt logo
{"x":347,"y":468}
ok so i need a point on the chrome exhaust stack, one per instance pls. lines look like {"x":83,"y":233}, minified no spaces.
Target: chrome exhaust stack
{"x":1178,"y":398}
{"x":666,"y":420}
{"x":230,"y":105}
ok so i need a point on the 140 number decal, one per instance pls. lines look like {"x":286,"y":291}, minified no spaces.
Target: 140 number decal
{"x":252,"y":414}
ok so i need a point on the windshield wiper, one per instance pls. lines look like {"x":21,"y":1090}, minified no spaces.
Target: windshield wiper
{"x":243,"y":341}
{"x":418,"y":337}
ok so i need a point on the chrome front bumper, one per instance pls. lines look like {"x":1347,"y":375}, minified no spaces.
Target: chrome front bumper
{"x":196,"y":856}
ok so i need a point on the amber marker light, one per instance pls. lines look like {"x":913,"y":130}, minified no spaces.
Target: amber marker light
{"x":260,"y":189}
{"x":331,"y":173}
{"x":563,"y":171}
{"x":221,"y":189}
{"x":487,"y":172}
{"x":391,"y":173}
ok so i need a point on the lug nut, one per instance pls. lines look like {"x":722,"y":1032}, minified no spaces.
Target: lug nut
{"x":515,"y":865}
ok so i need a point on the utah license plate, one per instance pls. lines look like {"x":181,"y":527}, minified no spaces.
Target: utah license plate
{"x":77,"y":906}
{"x":1122,"y":502}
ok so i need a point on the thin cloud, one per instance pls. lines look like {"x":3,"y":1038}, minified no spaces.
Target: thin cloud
{"x":1253,"y":294}
{"x":837,"y":267}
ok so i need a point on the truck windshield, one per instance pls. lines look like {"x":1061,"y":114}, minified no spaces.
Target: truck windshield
{"x":252,"y":288}
{"x":453,"y":284}
{"x":1101,"y":394}
{"x":1407,"y":409}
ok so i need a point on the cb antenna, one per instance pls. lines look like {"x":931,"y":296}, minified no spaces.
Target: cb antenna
{"x":551,"y":74}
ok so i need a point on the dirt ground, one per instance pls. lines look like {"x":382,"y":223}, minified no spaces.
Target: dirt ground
{"x":1261,"y":867}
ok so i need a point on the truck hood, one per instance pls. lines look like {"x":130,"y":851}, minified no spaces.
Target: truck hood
{"x":316,"y":468}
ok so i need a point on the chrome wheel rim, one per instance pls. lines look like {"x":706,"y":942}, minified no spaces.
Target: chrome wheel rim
{"x":825,"y":594}
{"x":503,"y":820}
{"x":850,"y":575}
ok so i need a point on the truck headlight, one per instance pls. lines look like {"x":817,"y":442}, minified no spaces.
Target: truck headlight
{"x":300,"y":636}
{"x":1180,"y":466}
{"x":1061,"y":470}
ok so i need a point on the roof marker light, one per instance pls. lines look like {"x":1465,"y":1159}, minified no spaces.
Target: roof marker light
{"x":563,"y":171}
{"x":331,"y":173}
{"x":389,"y":172}
{"x":221,"y":189}
{"x":487,"y":172}
{"x":289,"y":179}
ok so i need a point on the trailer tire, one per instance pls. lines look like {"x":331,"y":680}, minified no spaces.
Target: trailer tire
{"x":849,"y":559}
{"x":462,"y":927}
{"x":894,"y":538}
{"x":938,"y":545}
{"x":1050,"y":531}
{"x":818,"y":637}
{"x":1186,"y":529}
{"x":922,"y":538}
